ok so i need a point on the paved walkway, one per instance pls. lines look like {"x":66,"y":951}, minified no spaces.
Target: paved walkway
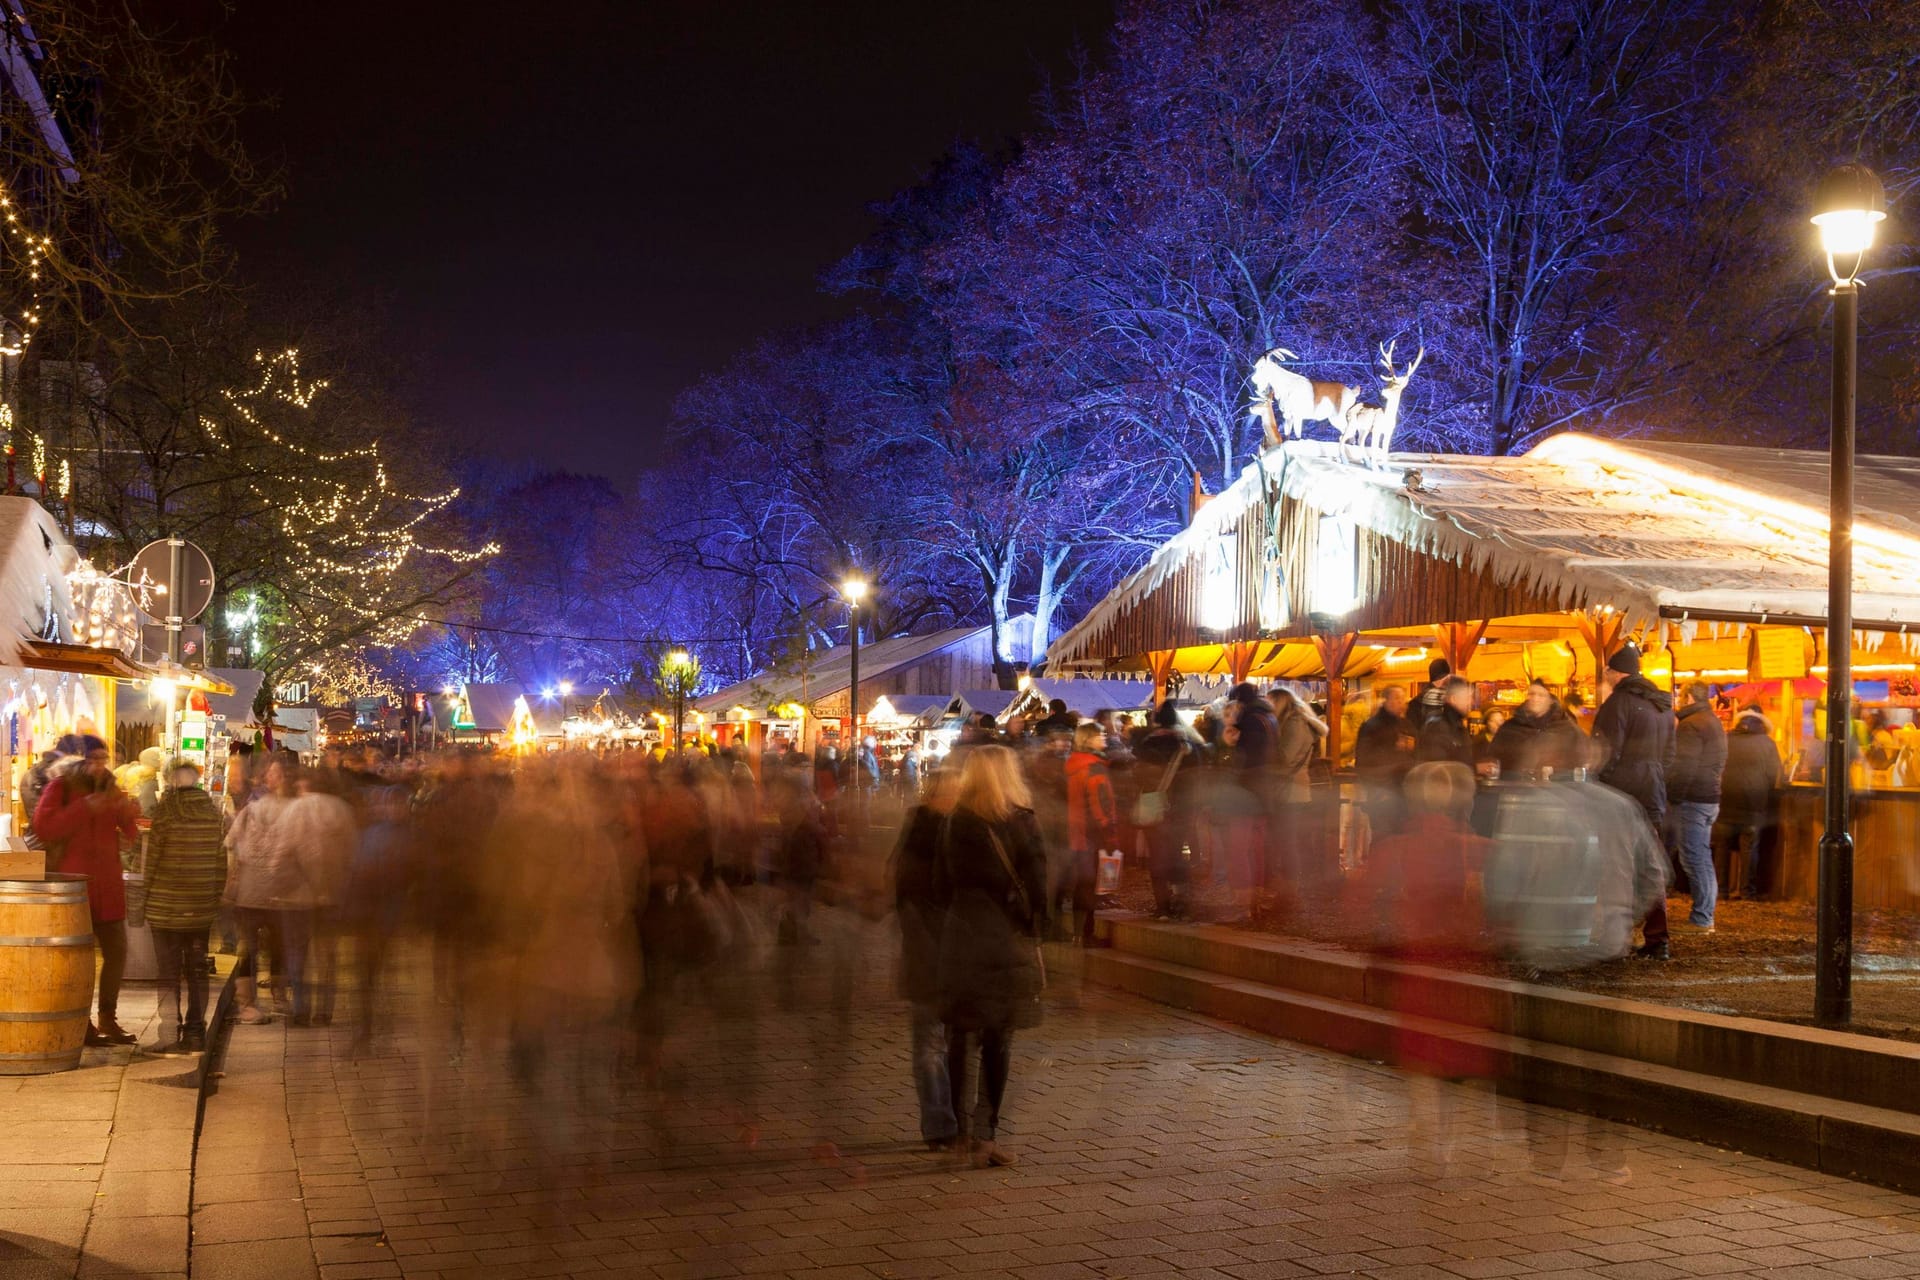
{"x":95,"y":1163}
{"x":777,"y":1138}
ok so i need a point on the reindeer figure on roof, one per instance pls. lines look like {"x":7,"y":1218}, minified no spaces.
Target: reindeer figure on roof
{"x":1372,"y":426}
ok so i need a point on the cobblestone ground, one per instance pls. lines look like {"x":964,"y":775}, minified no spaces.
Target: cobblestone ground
{"x":780,"y":1139}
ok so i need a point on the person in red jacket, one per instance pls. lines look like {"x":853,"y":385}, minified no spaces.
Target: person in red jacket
{"x":82,"y":816}
{"x":1091,"y":818}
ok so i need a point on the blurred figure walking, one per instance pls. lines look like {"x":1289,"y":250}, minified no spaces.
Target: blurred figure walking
{"x":1092,"y":821}
{"x":989,"y":880}
{"x":264,"y":874}
{"x":1166,"y":800}
{"x":186,"y":876}
{"x":921,"y":914}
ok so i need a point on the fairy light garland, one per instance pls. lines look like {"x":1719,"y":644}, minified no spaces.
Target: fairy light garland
{"x":351,"y":537}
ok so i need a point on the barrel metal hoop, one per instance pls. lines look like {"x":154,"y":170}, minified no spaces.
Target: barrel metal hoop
{"x":50,"y":1055}
{"x":58,"y":940}
{"x":43,"y":899}
{"x":56,"y":1015}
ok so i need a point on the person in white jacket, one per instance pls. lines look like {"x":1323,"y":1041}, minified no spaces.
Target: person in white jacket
{"x":261,"y":878}
{"x":321,"y":833}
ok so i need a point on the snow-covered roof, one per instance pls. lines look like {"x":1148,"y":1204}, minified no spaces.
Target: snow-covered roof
{"x":1085,"y":697}
{"x":1643,"y":528}
{"x":491,"y":706}
{"x":828,"y":671}
{"x":909,"y":707}
{"x":994,"y":702}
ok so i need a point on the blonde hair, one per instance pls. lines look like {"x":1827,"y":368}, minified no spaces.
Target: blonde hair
{"x":991,"y":785}
{"x":1088,"y":736}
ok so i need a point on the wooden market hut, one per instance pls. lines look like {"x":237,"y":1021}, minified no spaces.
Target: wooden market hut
{"x":1712,"y":557}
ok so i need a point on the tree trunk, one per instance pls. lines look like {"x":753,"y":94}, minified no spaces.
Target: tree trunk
{"x":1046,"y":600}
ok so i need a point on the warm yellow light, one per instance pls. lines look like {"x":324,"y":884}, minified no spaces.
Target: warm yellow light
{"x":162,"y":690}
{"x":854,"y":589}
{"x":566,"y":688}
{"x":1846,"y":232}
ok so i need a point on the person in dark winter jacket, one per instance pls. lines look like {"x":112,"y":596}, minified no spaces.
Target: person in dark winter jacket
{"x":1693,"y":796}
{"x":990,"y":880}
{"x":1162,"y":769}
{"x":1253,"y":735}
{"x":1382,"y":754}
{"x":1427,"y":703}
{"x":1753,"y":774}
{"x":1540,"y":740}
{"x":1634,"y":731}
{"x":1444,"y":736}
{"x":921,"y":914}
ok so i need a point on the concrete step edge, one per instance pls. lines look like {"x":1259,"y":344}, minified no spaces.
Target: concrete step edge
{"x":1846,"y":1138}
{"x":1837,"y":1064}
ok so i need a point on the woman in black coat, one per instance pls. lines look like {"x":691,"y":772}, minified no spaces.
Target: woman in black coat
{"x":991,"y":879}
{"x":922,"y":914}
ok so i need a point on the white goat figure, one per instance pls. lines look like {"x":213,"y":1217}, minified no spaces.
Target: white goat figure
{"x":1295,"y":400}
{"x":1372,"y":426}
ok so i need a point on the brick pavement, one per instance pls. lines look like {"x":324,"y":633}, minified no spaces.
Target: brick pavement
{"x":777,"y":1139}
{"x":95,"y":1163}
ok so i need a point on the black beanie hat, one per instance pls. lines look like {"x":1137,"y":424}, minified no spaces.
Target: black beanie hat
{"x":1626,"y":661}
{"x":1438,"y":670}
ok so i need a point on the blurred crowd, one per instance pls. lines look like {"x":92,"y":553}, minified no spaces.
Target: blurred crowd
{"x":575,"y":906}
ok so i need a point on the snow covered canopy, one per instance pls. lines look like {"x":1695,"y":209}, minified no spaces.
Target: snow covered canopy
{"x":1307,"y":543}
{"x":47,"y":593}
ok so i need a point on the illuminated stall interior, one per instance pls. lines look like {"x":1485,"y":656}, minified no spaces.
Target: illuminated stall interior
{"x":806,"y":704}
{"x":1711,"y":557}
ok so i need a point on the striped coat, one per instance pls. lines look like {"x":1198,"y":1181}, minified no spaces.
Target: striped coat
{"x":186,"y":860}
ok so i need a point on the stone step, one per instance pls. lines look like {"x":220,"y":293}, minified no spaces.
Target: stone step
{"x":1846,"y":1067}
{"x":1847,"y":1139}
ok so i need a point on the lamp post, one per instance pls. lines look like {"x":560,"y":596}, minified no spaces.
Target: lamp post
{"x":854,"y":589}
{"x":677,"y":665}
{"x":1850,"y":200}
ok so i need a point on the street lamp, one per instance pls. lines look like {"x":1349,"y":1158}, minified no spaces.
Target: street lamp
{"x":1849,"y":203}
{"x":677,"y":665}
{"x":854,"y":589}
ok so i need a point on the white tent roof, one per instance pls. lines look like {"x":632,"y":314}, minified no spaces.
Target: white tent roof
{"x":828,"y":670}
{"x":1649,"y":529}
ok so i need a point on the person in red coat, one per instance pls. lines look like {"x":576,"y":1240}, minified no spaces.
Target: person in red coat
{"x":1092,"y":820}
{"x":1431,"y":910}
{"x":82,"y":816}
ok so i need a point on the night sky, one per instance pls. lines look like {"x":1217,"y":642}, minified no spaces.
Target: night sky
{"x":569,"y":212}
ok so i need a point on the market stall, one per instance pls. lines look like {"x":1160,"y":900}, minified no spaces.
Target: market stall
{"x":1711,"y":558}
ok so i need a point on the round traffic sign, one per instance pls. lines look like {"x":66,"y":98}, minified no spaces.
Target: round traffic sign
{"x":153,"y":569}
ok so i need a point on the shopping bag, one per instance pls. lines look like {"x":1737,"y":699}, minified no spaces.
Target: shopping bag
{"x":1108,"y":878}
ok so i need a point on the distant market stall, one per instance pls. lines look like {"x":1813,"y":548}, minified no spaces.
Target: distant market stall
{"x":1711,"y":557}
{"x":806,"y":704}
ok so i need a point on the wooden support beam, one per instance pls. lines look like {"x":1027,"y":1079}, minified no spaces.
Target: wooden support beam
{"x":1458,"y":641}
{"x":1240,"y":656}
{"x":1334,"y":651}
{"x":1160,"y":667}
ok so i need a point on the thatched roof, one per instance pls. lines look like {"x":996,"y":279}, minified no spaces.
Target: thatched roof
{"x":1648,"y":530}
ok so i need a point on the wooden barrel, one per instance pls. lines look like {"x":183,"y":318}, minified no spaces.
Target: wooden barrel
{"x":46,"y":974}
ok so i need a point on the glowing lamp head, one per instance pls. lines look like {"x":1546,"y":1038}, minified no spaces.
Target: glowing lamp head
{"x":677,"y":658}
{"x":1848,"y":204}
{"x":547,"y":692}
{"x":566,"y":688}
{"x":854,"y":589}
